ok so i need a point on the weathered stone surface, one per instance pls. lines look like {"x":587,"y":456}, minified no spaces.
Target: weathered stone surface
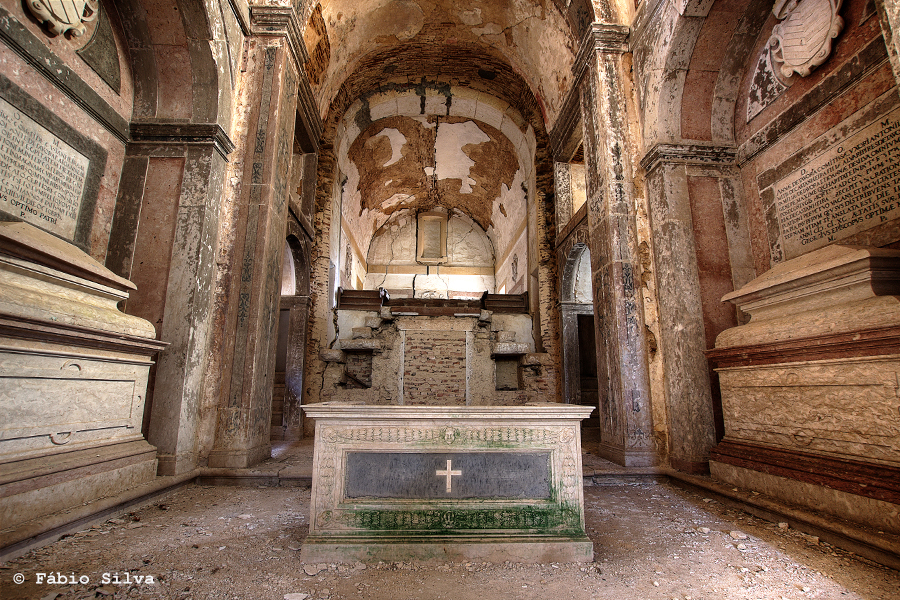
{"x":412,"y":522}
{"x":63,"y":338}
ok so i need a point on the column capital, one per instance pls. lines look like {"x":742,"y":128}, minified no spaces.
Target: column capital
{"x":280,"y":21}
{"x":604,"y":38}
{"x":689,"y":154}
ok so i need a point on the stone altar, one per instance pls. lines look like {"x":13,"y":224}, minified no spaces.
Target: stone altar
{"x":491,"y":483}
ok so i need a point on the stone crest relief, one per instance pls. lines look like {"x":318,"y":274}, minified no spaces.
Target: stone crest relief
{"x":802,"y":41}
{"x":799,"y":43}
{"x":64,"y":16}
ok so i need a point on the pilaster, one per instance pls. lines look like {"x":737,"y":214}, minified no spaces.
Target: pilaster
{"x":689,"y":397}
{"x":201,"y":150}
{"x":608,"y":116}
{"x":249,"y":281}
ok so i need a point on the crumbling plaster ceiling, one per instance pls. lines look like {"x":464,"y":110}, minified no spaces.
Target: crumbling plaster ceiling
{"x":448,"y":148}
{"x":444,"y":40}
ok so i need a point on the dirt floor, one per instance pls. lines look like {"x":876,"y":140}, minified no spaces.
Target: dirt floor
{"x":651,"y":541}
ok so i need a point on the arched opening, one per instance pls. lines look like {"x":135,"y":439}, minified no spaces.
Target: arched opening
{"x":580,"y":349}
{"x":290,"y":348}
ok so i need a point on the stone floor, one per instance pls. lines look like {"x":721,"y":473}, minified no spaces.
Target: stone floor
{"x":652,"y":541}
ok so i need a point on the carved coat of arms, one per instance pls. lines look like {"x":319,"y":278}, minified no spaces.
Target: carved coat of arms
{"x":63,"y":16}
{"x":802,"y":41}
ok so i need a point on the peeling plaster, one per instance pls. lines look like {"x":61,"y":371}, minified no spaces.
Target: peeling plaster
{"x":451,"y":160}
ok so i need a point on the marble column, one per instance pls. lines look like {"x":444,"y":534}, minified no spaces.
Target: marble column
{"x":608,"y":113}
{"x":249,"y":284}
{"x":689,"y":398}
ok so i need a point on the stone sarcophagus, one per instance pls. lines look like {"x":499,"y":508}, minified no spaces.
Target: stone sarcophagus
{"x":810,"y":385}
{"x":492,"y":483}
{"x":73,"y":378}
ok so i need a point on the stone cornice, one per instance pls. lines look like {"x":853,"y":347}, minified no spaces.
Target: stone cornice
{"x":183,"y":134}
{"x":280,"y":21}
{"x":605,"y":38}
{"x":691,"y":154}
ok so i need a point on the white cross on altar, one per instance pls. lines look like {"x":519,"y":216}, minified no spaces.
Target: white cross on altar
{"x":448,"y":473}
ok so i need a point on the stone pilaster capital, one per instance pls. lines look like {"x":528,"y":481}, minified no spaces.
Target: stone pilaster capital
{"x":280,"y":21}
{"x":180,"y":134}
{"x":688,"y":154}
{"x":602,"y":38}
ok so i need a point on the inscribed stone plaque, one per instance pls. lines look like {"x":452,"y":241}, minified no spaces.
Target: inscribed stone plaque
{"x":436,"y":475}
{"x":851,"y":187}
{"x":41,"y":177}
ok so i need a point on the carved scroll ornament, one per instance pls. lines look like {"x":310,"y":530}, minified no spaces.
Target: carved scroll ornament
{"x":802,"y":40}
{"x":63,"y":16}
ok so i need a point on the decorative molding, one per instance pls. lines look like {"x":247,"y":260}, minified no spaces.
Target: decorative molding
{"x":832,"y":86}
{"x":35,"y":53}
{"x":74,"y":336}
{"x":604,"y":38}
{"x":689,"y":154}
{"x":183,"y":134}
{"x":871,"y":480}
{"x":869,"y":342}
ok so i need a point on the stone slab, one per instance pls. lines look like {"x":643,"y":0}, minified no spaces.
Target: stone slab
{"x":525,"y":492}
{"x":534,"y":550}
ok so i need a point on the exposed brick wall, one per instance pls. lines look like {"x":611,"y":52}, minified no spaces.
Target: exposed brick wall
{"x":434,"y":368}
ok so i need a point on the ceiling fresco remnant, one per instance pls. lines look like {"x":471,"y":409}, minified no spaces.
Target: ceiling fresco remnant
{"x":403,"y":162}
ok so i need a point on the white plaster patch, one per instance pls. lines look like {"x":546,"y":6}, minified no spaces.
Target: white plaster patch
{"x":471,"y":17}
{"x":425,"y":122}
{"x":450,"y":160}
{"x":489,"y":29}
{"x":397,"y":140}
{"x":395,"y":201}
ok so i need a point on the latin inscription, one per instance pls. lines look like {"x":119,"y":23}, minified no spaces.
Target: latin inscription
{"x":438,"y":475}
{"x":852,"y":187}
{"x":41,"y":177}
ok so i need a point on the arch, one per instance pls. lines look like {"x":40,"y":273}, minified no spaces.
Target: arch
{"x":299,"y":253}
{"x":574,"y":266}
{"x":160,"y":46}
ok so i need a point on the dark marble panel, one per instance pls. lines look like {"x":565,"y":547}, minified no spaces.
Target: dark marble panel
{"x":429,"y":475}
